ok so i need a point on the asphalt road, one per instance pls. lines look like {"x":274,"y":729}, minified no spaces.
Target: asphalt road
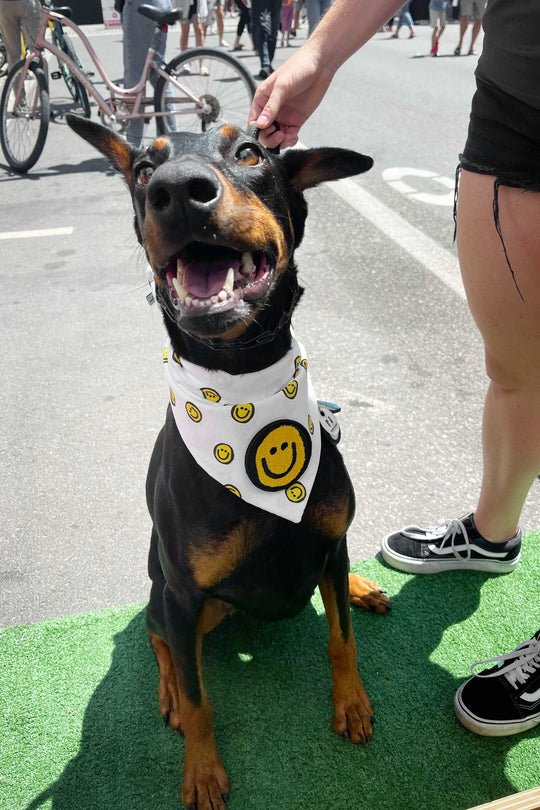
{"x":383,"y":319}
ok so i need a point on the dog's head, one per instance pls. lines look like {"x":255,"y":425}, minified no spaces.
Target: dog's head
{"x":219,"y":218}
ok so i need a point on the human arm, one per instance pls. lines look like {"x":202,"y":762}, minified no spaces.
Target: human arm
{"x":295,"y":90}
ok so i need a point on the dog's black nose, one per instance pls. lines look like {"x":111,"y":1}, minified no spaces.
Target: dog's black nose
{"x":182,"y":189}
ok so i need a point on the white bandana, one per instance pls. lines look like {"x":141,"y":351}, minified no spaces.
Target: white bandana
{"x":258,"y":434}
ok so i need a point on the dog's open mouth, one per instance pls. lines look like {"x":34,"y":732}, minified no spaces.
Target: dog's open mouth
{"x":204,"y":279}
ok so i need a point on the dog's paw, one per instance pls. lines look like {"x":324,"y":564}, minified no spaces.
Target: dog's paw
{"x":206,"y":784}
{"x":368,"y":595}
{"x":353,"y":718}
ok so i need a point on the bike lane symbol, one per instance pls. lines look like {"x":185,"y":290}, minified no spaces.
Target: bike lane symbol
{"x":394,"y":179}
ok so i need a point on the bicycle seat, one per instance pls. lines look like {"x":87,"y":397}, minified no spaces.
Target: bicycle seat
{"x":158,"y":15}
{"x":65,"y":11}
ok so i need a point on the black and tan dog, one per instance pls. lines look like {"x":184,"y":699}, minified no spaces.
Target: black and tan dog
{"x":219,"y":219}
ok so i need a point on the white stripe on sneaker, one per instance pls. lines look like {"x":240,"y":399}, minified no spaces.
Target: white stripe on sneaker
{"x":465,"y":547}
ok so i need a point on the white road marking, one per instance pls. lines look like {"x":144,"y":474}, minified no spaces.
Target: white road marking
{"x":394,"y":179}
{"x":36,"y":233}
{"x":439,"y":261}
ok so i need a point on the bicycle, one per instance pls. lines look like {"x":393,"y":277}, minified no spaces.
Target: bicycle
{"x":76,"y":89}
{"x":219,"y":92}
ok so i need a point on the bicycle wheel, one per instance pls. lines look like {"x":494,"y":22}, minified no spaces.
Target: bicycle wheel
{"x":23,"y":130}
{"x":77,"y":90}
{"x":217,"y":80}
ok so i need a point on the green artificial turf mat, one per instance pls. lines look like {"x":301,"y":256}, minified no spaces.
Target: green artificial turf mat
{"x":80,"y":726}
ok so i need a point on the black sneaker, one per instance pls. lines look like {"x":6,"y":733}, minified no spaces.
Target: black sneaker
{"x":504,"y":699}
{"x":455,"y":544}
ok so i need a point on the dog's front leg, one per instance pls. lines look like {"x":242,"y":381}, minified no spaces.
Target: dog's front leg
{"x":206,"y":784}
{"x":353,"y":717}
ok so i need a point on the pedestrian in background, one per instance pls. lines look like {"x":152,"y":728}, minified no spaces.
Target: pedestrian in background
{"x":138,"y":33}
{"x":287,"y":8}
{"x":316,"y":9}
{"x":470,"y":9}
{"x":193,"y":20}
{"x":437,"y":20}
{"x":265,"y":17}
{"x":244,"y":22}
{"x":19,"y":17}
{"x":404,"y":18}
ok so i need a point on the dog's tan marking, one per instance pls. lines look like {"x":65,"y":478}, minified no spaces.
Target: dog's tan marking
{"x":204,"y":775}
{"x":152,"y":238}
{"x":228,"y":131}
{"x":121,"y":156}
{"x":244,"y":221}
{"x":353,"y":711}
{"x":160,"y":143}
{"x":331,"y":518}
{"x":212,"y":561}
{"x":169,"y":696}
{"x":367,"y":594}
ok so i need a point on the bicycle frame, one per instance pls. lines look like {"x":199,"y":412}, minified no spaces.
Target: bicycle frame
{"x":133,"y":97}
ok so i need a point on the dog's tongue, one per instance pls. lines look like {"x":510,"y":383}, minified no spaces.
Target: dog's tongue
{"x":202,"y":280}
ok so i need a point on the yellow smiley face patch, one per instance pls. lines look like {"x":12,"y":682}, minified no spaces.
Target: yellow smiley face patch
{"x":210,"y":394}
{"x":193,"y":412}
{"x":278,"y":455}
{"x":243,"y":413}
{"x":291,"y":389}
{"x":223,"y":453}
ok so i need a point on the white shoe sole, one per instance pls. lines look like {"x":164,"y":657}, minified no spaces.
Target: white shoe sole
{"x":488,"y":728}
{"x":412,"y":566}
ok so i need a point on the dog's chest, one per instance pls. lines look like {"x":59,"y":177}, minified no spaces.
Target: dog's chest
{"x":277,"y":578}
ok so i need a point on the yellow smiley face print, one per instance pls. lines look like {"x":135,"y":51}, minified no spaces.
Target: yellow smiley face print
{"x":296,"y":492}
{"x":243,"y":413}
{"x":278,"y":455}
{"x":173,"y":398}
{"x":193,"y":412}
{"x":223,"y":453}
{"x":291,"y":389}
{"x":210,"y":394}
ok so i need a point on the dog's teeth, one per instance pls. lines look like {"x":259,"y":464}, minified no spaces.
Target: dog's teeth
{"x":247,"y":266}
{"x":181,"y":292}
{"x":222,"y":295}
{"x":180,"y":269}
{"x":188,"y":301}
{"x":229,"y":281}
{"x":214,"y":299}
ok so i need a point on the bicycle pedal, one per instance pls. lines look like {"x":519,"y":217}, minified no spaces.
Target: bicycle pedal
{"x":55,"y":74}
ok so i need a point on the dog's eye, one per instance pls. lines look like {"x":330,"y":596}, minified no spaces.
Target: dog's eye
{"x":144,"y":174}
{"x":249,"y":155}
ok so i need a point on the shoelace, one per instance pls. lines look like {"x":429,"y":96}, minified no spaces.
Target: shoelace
{"x":453,"y":527}
{"x":516,"y":671}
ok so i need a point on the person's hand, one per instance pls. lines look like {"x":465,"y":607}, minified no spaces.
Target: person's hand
{"x":289,"y":96}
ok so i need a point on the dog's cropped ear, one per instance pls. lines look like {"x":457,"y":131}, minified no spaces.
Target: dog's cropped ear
{"x":307,"y":168}
{"x":105,"y":141}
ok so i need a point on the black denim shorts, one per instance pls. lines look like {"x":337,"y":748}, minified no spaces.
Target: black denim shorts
{"x":503,"y":141}
{"x":503,"y":138}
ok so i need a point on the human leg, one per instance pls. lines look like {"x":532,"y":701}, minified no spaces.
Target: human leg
{"x":261,"y":26}
{"x":11,"y":17}
{"x":477,"y":25}
{"x":184,"y":35}
{"x":510,"y":327}
{"x":463,"y":25}
{"x":509,"y":321}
